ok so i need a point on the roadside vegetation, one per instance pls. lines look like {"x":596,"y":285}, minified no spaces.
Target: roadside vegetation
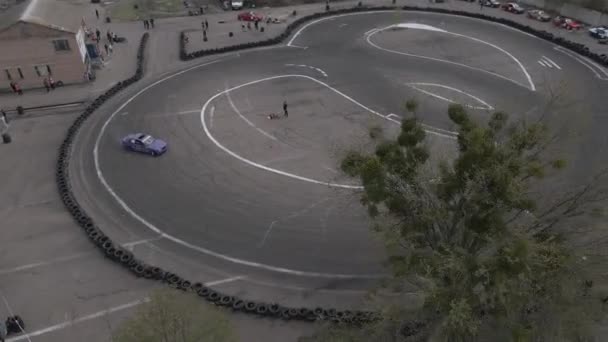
{"x":174,"y":316}
{"x":477,"y":236}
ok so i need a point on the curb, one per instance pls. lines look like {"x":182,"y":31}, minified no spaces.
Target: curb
{"x":125,"y":258}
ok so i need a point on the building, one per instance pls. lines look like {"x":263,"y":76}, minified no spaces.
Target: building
{"x":41,"y":38}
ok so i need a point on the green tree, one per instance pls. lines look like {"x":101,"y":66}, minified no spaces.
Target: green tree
{"x":172,"y":316}
{"x":471,"y":233}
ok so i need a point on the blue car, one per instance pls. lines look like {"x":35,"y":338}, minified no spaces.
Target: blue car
{"x":144,"y":143}
{"x":600,"y":32}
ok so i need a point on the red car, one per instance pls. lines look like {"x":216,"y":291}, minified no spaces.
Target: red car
{"x":250,"y":16}
{"x":567,"y":23}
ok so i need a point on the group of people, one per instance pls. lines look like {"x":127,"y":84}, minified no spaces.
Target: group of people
{"x":16,"y":87}
{"x":49,"y":83}
{"x":148,"y":23}
{"x":273,"y":116}
{"x":256,"y":24}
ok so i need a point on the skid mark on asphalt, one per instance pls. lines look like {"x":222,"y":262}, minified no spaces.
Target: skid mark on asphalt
{"x":486,"y":106}
{"x":74,"y":321}
{"x":26,"y":267}
{"x":309,"y":67}
{"x":238,"y":112}
{"x":289,"y":217}
{"x":521,"y":66}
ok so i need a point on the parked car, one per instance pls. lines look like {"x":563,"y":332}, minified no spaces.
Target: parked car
{"x":567,"y":23}
{"x":144,"y":143}
{"x":599,"y":32}
{"x":250,"y":16}
{"x":490,"y":3}
{"x":538,"y":15}
{"x":513,"y":8}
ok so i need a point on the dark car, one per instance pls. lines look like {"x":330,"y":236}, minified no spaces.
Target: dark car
{"x":513,"y":8}
{"x":490,"y":3}
{"x":539,"y":15}
{"x":144,"y":143}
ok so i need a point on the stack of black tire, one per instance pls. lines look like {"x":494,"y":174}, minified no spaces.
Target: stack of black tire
{"x":576,"y":47}
{"x":125,"y":258}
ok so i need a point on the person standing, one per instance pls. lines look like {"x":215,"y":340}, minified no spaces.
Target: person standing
{"x":52,"y":82}
{"x":152,"y":22}
{"x":256,"y":25}
{"x":285,"y":109}
{"x":146,"y":24}
{"x":46,"y":84}
{"x":18,"y":89}
{"x":203,"y":25}
{"x":97,"y":13}
{"x":206,"y":24}
{"x":98,"y":34}
{"x":13,"y":86}
{"x":109,"y":36}
{"x":105,"y":46}
{"x":111,"y":48}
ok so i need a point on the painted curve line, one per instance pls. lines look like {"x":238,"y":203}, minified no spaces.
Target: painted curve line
{"x":186,"y":244}
{"x":530,"y":86}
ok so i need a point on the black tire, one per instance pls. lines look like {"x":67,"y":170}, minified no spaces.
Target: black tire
{"x":250,"y":306}
{"x":238,"y":305}
{"x":204,"y":292}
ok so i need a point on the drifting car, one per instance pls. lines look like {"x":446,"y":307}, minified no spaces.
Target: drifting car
{"x":249,"y":16}
{"x":567,"y":23}
{"x":538,"y":15}
{"x":144,"y":143}
{"x":600,"y":32}
{"x":490,"y":3}
{"x":513,"y":8}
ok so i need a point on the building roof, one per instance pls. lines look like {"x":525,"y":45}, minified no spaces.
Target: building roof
{"x":62,"y":15}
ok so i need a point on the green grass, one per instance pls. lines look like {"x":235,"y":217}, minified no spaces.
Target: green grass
{"x":124,"y":10}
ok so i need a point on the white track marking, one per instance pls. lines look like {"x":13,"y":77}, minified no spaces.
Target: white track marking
{"x":543,"y":64}
{"x":224,"y":281}
{"x":295,"y":36}
{"x":391,"y":115}
{"x":288,"y":217}
{"x":185,"y":243}
{"x":71,"y":322}
{"x":211,"y":114}
{"x":65,"y":259}
{"x":486,"y":105}
{"x":11,"y":313}
{"x":279,"y":172}
{"x":547,"y":59}
{"x":310,"y":67}
{"x":238,"y":112}
{"x":370,"y":31}
{"x":528,"y":77}
{"x":596,"y":69}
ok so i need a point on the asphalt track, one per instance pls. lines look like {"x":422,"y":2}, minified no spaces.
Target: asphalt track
{"x":265,"y":198}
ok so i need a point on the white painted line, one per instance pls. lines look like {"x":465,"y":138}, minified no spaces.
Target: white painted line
{"x":211,"y":116}
{"x":26,"y":267}
{"x":78,"y":320}
{"x":298,"y":47}
{"x":587,"y":63}
{"x":486,"y":106}
{"x":309,"y":67}
{"x":185,"y":243}
{"x":276,"y":171}
{"x":187,"y":112}
{"x":370,"y":31}
{"x":224,"y":281}
{"x":417,"y":26}
{"x":521,"y":66}
{"x":295,"y":36}
{"x":11,"y":313}
{"x":43,"y":263}
{"x":391,"y":115}
{"x":543,"y":64}
{"x":238,"y":112}
{"x":68,"y":323}
{"x":552,"y":62}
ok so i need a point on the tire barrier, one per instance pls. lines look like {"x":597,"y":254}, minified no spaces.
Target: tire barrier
{"x":124,"y":257}
{"x":575,"y":47}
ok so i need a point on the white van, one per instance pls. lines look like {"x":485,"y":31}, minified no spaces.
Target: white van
{"x":236,"y":4}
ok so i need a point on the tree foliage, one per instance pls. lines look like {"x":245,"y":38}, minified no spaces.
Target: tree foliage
{"x":471,"y":233}
{"x":172,"y":316}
